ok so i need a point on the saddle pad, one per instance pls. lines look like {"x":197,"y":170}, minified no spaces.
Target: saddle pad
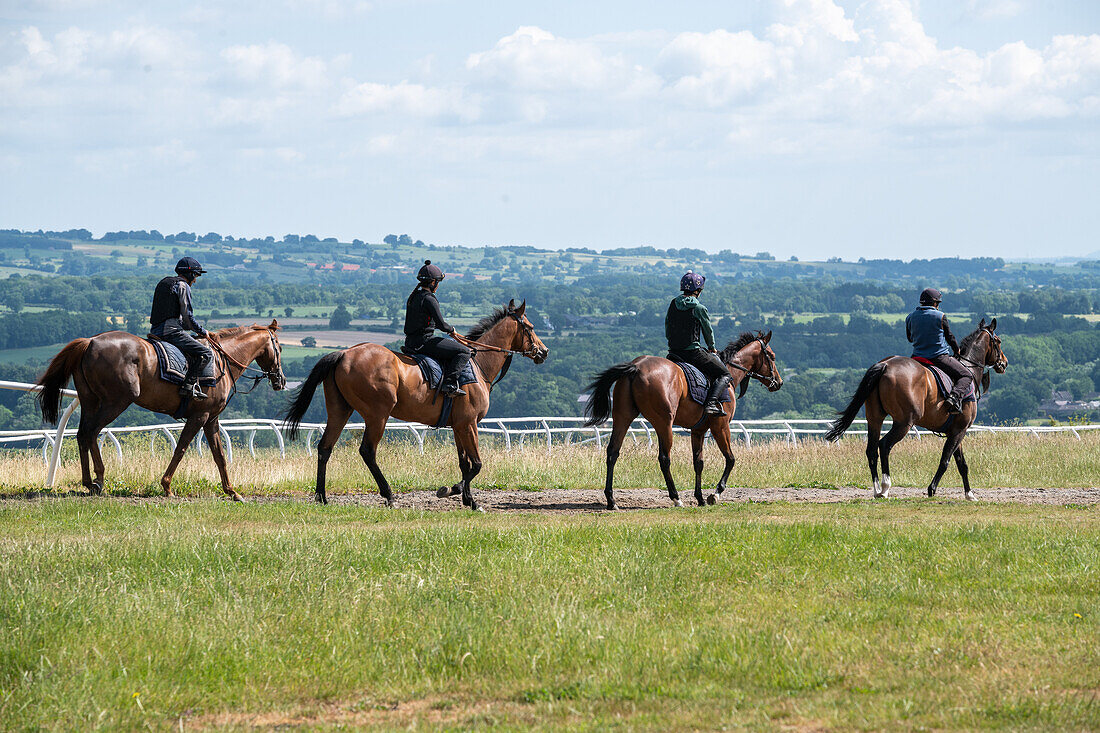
{"x":943,"y":382}
{"x":698,"y":386}
{"x":433,"y":371}
{"x":172,"y":366}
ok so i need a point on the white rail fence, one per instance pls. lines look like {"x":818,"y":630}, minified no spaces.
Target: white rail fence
{"x":515,"y":432}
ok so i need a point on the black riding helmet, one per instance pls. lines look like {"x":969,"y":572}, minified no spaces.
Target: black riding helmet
{"x":189,"y":266}
{"x":429,"y":272}
{"x":930,"y":296}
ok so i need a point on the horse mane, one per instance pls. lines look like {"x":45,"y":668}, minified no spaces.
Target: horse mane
{"x":969,"y":340}
{"x":746,"y":338}
{"x":498,"y":315}
{"x":234,"y":331}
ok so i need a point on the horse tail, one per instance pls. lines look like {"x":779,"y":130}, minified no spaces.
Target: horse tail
{"x":598,"y":407}
{"x":302,"y":398}
{"x":863,"y":391}
{"x":57,"y":375}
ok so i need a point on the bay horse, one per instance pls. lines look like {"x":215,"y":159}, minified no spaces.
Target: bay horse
{"x":377,"y":383}
{"x":114,"y":370}
{"x":657,"y":388}
{"x":905,"y":390}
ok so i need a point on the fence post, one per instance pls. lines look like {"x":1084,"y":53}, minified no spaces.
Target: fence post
{"x":118,"y":446}
{"x":52,"y":470}
{"x":279,"y":437}
{"x":549,"y":439}
{"x":507,"y":437}
{"x":252,"y":443}
{"x":228,"y":443}
{"x":309,"y":448}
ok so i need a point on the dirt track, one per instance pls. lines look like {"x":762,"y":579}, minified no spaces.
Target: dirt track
{"x":576,"y":501}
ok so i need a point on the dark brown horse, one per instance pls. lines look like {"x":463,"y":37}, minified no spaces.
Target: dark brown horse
{"x":114,"y":370}
{"x":657,"y":388}
{"x":377,"y":383}
{"x":900,"y":387}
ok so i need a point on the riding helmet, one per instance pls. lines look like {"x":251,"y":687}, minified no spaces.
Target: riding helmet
{"x":189,"y":266}
{"x":930,"y":296}
{"x":691,"y":282}
{"x":429,"y":272}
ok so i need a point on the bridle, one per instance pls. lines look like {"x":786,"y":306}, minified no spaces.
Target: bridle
{"x":258,"y":375}
{"x":529,"y":338}
{"x":982,"y":365}
{"x":769,"y":381}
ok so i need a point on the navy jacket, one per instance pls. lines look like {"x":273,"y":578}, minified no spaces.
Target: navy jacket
{"x":927,"y":329}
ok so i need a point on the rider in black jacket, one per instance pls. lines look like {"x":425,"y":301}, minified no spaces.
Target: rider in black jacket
{"x":422,"y":318}
{"x":172,"y":317}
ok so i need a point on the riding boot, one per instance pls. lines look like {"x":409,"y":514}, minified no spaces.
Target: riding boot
{"x":450,"y":387}
{"x":711,"y":405}
{"x":954,"y":407}
{"x":191,"y":389}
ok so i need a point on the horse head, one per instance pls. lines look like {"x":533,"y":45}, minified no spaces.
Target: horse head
{"x":525,"y":339}
{"x":270,"y":359}
{"x":994,"y":356}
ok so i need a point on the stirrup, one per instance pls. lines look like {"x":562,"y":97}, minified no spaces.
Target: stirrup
{"x":953,"y":405}
{"x":713,"y":407}
{"x":193,"y":391}
{"x":451,"y":389}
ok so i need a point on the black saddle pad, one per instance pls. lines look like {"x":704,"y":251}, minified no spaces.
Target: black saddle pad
{"x":698,"y":384}
{"x":433,"y":370}
{"x":172,"y":366}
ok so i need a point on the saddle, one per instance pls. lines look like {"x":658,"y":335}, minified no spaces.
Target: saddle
{"x":943,"y":382}
{"x":172,"y":365}
{"x":698,"y":384}
{"x":432,"y":371}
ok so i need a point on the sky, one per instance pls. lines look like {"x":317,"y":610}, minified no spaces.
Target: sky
{"x":813,"y":128}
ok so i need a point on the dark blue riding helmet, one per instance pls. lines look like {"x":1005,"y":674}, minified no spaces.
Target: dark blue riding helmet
{"x":189,"y":266}
{"x":691,"y":282}
{"x":930,"y":296}
{"x":429,"y":272}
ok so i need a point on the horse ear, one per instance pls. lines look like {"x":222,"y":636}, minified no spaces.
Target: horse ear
{"x":511,"y":305}
{"x":993,"y":325}
{"x":522,"y":307}
{"x":981,"y":323}
{"x":274,"y":324}
{"x":767,"y":337}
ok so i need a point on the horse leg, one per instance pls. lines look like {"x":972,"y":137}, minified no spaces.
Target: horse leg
{"x":368,"y":449}
{"x":469,"y":460}
{"x":339,"y":412}
{"x":622,"y":417}
{"x":949,"y":446}
{"x":899,"y":430}
{"x":87,"y":437}
{"x":664,"y":458}
{"x":722,"y":440}
{"x":212,"y":431}
{"x":964,"y":471}
{"x":190,"y":429}
{"x":697,"y":463}
{"x":874,"y":431}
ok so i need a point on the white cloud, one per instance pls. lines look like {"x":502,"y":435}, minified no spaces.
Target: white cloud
{"x":277,"y":65}
{"x":415,"y":100}
{"x":994,"y":9}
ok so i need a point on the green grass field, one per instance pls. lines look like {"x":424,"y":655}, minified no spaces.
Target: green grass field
{"x":125,"y":613}
{"x":909,"y":615}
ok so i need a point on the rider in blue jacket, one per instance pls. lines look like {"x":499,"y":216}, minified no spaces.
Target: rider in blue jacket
{"x":927,"y":329}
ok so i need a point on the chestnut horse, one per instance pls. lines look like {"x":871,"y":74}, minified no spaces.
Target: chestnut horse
{"x":657,"y":388}
{"x":377,"y":383}
{"x":115,"y":369}
{"x":900,"y":387}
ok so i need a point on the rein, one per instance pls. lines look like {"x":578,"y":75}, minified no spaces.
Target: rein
{"x":982,"y":366}
{"x":750,"y":373}
{"x":259,"y":376}
{"x":476,"y":346}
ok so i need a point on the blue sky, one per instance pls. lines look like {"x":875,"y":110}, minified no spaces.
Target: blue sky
{"x":808,"y":127}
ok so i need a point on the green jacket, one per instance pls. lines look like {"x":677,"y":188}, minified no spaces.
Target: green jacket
{"x":686,"y":322}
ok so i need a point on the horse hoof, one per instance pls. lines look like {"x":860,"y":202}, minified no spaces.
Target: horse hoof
{"x":931,"y":491}
{"x":443,"y":493}
{"x":96,"y":489}
{"x":712,"y":499}
{"x":390,"y":503}
{"x":475,"y":508}
{"x":677,"y":503}
{"x":236,"y":497}
{"x":320,"y":497}
{"x":970,"y":496}
{"x":612,"y":507}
